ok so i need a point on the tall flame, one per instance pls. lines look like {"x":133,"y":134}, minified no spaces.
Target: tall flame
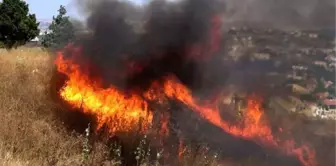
{"x":122,"y":112}
{"x":111,"y":106}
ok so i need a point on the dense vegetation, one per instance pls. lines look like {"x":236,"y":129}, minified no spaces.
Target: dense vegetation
{"x":60,"y":32}
{"x":17,"y":26}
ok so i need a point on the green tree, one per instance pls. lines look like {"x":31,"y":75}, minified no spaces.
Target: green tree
{"x":17,"y":26}
{"x":60,"y":32}
{"x":320,"y":86}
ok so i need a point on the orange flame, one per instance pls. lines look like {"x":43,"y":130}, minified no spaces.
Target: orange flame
{"x":111,"y":106}
{"x":164,"y":131}
{"x":181,"y":150}
{"x":253,"y":127}
{"x":124,"y":113}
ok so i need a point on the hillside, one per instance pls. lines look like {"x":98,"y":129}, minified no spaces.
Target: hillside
{"x":36,"y":128}
{"x":44,"y":24}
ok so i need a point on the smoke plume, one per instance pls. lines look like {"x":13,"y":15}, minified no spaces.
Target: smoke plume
{"x":131,"y":46}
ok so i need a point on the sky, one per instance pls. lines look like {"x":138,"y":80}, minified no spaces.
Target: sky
{"x":46,"y":9}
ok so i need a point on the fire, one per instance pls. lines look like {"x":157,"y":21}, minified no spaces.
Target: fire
{"x":181,"y":150}
{"x":121,"y":112}
{"x":164,"y":131}
{"x":111,"y":106}
{"x":252,"y":128}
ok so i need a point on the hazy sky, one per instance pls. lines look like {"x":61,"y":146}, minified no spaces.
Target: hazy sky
{"x":45,"y":9}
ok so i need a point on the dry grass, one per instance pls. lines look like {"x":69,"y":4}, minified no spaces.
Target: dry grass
{"x":30,"y":133}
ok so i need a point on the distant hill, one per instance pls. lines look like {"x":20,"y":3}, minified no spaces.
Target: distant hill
{"x":44,"y":24}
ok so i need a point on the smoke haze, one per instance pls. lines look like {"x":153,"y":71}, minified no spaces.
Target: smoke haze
{"x":304,"y":14}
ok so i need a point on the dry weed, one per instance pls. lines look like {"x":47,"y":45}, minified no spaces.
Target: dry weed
{"x":29,"y":131}
{"x":30,"y":135}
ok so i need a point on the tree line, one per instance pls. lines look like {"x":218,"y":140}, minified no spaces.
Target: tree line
{"x":18,"y":26}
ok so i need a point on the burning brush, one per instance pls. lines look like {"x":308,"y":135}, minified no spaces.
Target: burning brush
{"x":162,"y":64}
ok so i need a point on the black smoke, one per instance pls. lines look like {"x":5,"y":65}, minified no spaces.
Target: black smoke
{"x":130,"y":46}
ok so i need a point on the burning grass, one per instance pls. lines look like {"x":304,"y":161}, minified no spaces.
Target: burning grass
{"x":31,"y":134}
{"x":123,"y":111}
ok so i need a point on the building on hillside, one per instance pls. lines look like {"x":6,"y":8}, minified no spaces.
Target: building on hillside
{"x":325,"y":113}
{"x":36,"y":39}
{"x":322,"y":95}
{"x":298,"y":89}
{"x":313,"y":35}
{"x":299,"y":72}
{"x":330,"y":103}
{"x":321,"y":63}
{"x":327,"y":84}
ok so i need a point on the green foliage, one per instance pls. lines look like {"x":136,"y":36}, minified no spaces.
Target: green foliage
{"x":308,"y":97}
{"x":17,"y":26}
{"x":332,"y":91}
{"x":320,"y":86}
{"x":61,"y":31}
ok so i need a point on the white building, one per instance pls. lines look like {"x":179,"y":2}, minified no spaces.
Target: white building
{"x":36,"y":39}
{"x":323,"y":113}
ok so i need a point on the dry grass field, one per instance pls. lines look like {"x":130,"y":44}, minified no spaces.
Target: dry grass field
{"x":30,"y":132}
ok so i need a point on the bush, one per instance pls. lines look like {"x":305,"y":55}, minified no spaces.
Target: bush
{"x":17,"y":26}
{"x":61,"y":31}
